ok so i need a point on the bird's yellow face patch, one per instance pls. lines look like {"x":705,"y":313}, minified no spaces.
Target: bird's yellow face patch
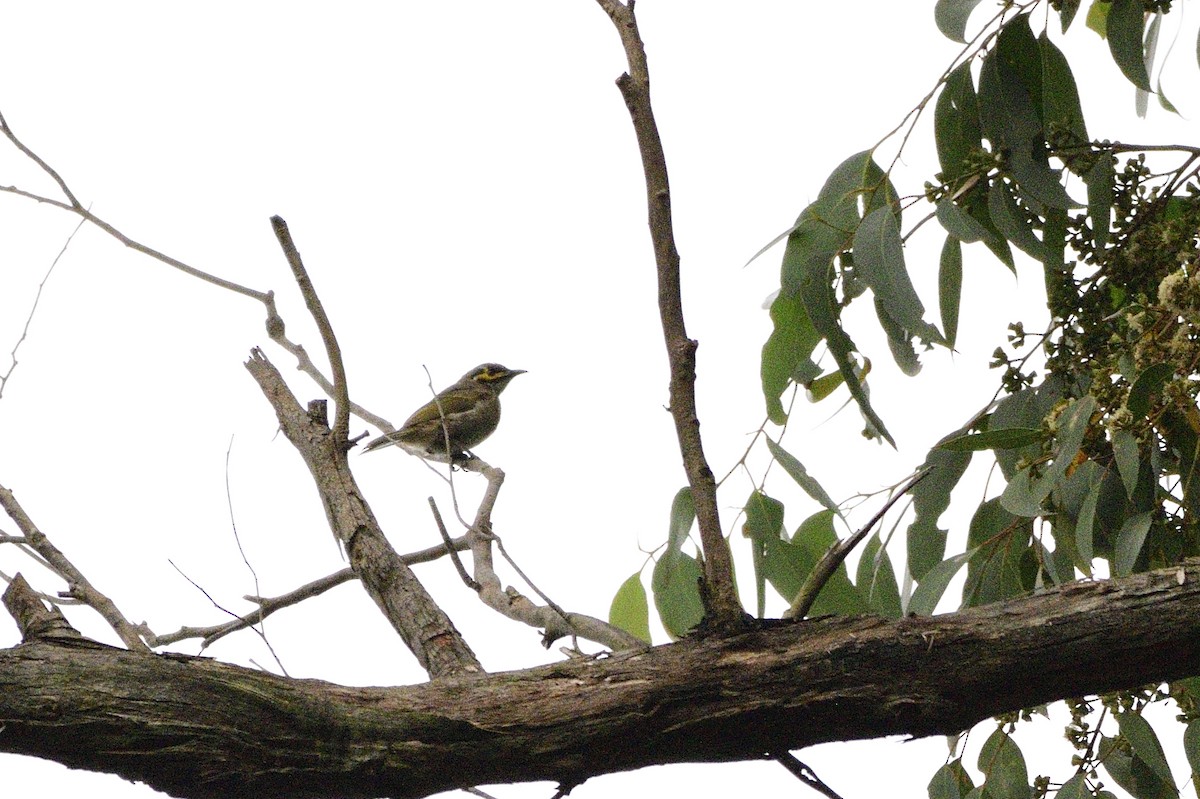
{"x":487,"y":374}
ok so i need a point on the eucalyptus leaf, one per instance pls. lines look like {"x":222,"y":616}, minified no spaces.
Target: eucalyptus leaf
{"x":1130,"y":539}
{"x":1145,"y":743}
{"x":951,"y":17}
{"x":1007,"y":438}
{"x":630,"y":609}
{"x":1124,"y":27}
{"x":950,"y":288}
{"x":797,"y":472}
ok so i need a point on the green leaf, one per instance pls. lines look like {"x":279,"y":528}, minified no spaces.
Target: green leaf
{"x":824,"y":229}
{"x":797,"y":472}
{"x":1072,"y":427}
{"x":950,"y":288}
{"x":1060,"y":98}
{"x":1097,"y":18}
{"x":876,"y":580}
{"x":1124,"y":28}
{"x":764,"y":522}
{"x":899,"y":341}
{"x":1129,"y":542}
{"x":1003,"y":767}
{"x":933,"y":585}
{"x":1074,"y":788}
{"x":1024,"y":493}
{"x":959,"y":224}
{"x":1145,"y":744}
{"x":951,"y":781}
{"x":630,"y":610}
{"x":683,"y":514}
{"x":1128,"y":458}
{"x":788,"y":563}
{"x":1191,"y":745}
{"x":1099,"y":181}
{"x":677,"y":595}
{"x":1132,"y":773}
{"x":956,"y":123}
{"x":1067,"y":12}
{"x":787,"y":351}
{"x":931,"y":497}
{"x":1007,"y":438}
{"x":1147,"y":385}
{"x":951,"y":17}
{"x":824,"y":385}
{"x":1011,"y":221}
{"x":1085,"y":525}
{"x":999,"y":539}
{"x":879,"y":256}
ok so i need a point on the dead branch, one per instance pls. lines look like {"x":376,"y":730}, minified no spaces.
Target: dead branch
{"x":78,"y":586}
{"x":423,"y":626}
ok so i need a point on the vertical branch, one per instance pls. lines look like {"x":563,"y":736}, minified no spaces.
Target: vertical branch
{"x":341,"y":394}
{"x":722,"y":604}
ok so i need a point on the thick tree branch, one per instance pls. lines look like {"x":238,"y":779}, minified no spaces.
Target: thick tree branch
{"x":409,"y":608}
{"x":724,"y":608}
{"x":232,"y":732}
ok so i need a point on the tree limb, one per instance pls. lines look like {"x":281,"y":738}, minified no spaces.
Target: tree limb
{"x":227,"y":731}
{"x":412,"y":612}
{"x":724,"y":610}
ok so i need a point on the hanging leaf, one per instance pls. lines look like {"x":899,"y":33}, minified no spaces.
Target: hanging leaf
{"x":764,"y":523}
{"x":683,"y":514}
{"x":1124,"y":28}
{"x":1147,"y":386}
{"x":1011,"y":221}
{"x":999,"y":539}
{"x":951,"y":17}
{"x":931,"y":497}
{"x":677,"y":595}
{"x":959,"y":224}
{"x":950,"y":288}
{"x":787,"y":351}
{"x":879,"y":256}
{"x":956,"y":123}
{"x":797,"y":472}
{"x":951,"y":781}
{"x":1099,"y":181}
{"x":934,"y":584}
{"x":1003,"y":767}
{"x":876,"y":580}
{"x":1067,"y":12}
{"x":1126,"y":454}
{"x":1060,"y":96}
{"x":1145,"y":743}
{"x":1130,"y":539}
{"x":630,"y":610}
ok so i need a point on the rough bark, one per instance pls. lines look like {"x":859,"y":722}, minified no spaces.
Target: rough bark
{"x":198,"y":728}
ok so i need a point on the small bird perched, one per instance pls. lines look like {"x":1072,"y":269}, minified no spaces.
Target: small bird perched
{"x":470,"y":410}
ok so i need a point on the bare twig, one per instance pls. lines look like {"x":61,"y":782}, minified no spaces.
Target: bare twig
{"x":212,"y":600}
{"x":455,"y":559}
{"x":78,"y":586}
{"x":805,"y":774}
{"x":837,"y":553}
{"x":268,"y":605}
{"x":723,"y":607}
{"x":341,"y":394}
{"x":33,"y":308}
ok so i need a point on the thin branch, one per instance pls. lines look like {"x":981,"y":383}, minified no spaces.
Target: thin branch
{"x":553,"y":620}
{"x":837,"y":553}
{"x":805,"y":774}
{"x":341,"y":394}
{"x":33,"y":308}
{"x":454,"y":558}
{"x":78,"y":586}
{"x":722,"y":605}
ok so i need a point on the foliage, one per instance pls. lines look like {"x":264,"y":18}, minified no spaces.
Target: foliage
{"x":1097,"y":451}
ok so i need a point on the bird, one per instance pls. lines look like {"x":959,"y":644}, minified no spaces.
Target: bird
{"x":470,"y":410}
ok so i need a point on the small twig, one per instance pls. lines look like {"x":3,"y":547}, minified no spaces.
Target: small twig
{"x":78,"y":586}
{"x":805,"y":774}
{"x":33,"y":308}
{"x":458,"y":564}
{"x":223,"y":609}
{"x":341,"y":393}
{"x":13,"y":539}
{"x":268,"y":605}
{"x":837,"y":553}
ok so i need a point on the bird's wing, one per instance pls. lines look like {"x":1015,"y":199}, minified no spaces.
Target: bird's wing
{"x":451,"y":406}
